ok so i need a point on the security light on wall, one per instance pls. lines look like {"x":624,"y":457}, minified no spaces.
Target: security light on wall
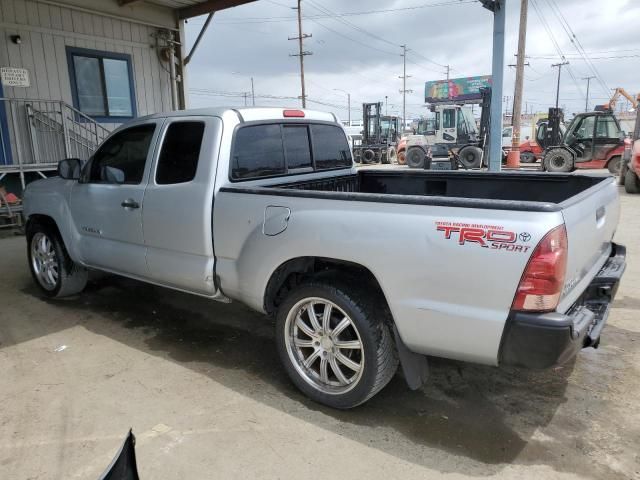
{"x":17,"y":39}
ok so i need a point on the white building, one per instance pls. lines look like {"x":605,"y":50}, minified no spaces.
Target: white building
{"x":72,"y":70}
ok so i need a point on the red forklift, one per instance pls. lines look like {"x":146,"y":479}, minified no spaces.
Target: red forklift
{"x":592,"y":140}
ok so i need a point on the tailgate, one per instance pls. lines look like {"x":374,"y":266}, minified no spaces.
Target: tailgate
{"x":591,"y":218}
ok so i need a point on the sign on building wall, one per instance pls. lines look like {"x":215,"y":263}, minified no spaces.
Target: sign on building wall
{"x":455,"y":89}
{"x":14,"y":77}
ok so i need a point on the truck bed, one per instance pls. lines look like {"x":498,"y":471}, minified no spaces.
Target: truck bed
{"x":510,"y":191}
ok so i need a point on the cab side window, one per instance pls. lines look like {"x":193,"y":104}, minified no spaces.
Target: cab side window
{"x":178,"y":161}
{"x":607,"y":128}
{"x":121,"y":159}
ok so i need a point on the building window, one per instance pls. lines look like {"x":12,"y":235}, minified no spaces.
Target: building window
{"x":102,"y":84}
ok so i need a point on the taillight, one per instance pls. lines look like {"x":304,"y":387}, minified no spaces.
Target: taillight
{"x":541,"y":284}
{"x":293,"y":113}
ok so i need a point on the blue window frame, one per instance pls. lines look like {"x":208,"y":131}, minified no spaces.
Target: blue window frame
{"x":102,"y":84}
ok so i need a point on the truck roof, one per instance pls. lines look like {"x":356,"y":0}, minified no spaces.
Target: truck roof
{"x":250,"y":114}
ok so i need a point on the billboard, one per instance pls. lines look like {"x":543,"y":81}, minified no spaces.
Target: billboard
{"x":455,"y":89}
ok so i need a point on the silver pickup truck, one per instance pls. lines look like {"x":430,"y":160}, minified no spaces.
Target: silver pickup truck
{"x":362,"y":269}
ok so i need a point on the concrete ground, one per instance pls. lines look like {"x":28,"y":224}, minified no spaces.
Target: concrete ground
{"x":201,"y":386}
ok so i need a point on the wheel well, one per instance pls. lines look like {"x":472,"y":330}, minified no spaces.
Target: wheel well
{"x":41,"y":220}
{"x":613,"y":157}
{"x":293,"y":272}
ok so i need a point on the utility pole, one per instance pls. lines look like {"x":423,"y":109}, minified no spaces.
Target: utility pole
{"x":513,"y":159}
{"x":559,"y":65}
{"x":386,"y":105}
{"x":586,"y":102}
{"x":301,"y":52}
{"x":244,"y":94}
{"x":253,"y":93}
{"x":404,"y":90}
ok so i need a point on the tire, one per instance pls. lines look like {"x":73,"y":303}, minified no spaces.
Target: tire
{"x":558,"y":160}
{"x":392,"y":155}
{"x":527,"y":157}
{"x":631,"y":182}
{"x":415,"y":157}
{"x":368,"y":156}
{"x":367,"y":326}
{"x":470,"y":156}
{"x":51,"y":267}
{"x":614,"y":164}
{"x":624,"y":168}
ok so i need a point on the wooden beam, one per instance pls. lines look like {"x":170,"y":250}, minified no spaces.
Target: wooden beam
{"x":208,"y":6}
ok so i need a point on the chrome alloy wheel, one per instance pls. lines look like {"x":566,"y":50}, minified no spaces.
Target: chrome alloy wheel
{"x":44,"y":261}
{"x":324,"y":345}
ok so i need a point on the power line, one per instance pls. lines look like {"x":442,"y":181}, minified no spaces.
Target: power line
{"x":344,"y":14}
{"x":556,"y":45}
{"x":575,"y":41}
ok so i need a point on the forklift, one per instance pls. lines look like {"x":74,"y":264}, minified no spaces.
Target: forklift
{"x":468,"y":152}
{"x":592,"y":140}
{"x":380,"y":135}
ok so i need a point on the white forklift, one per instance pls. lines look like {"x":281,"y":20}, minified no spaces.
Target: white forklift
{"x":449,"y":136}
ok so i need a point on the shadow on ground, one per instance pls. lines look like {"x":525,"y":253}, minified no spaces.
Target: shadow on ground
{"x":486,"y":414}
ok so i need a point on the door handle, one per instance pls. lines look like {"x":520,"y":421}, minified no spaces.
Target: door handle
{"x":129,"y":203}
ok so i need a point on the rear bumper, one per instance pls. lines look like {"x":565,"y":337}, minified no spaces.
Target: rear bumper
{"x":542,"y":340}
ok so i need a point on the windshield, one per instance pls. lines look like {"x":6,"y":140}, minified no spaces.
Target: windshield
{"x":427,"y":126}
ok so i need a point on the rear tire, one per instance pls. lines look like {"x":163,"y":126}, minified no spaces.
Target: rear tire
{"x":631,"y":182}
{"x":415,"y":157}
{"x":558,"y":160}
{"x":527,"y":157}
{"x":51,"y":267}
{"x":614,"y":164}
{"x":339,"y":377}
{"x":470,"y":156}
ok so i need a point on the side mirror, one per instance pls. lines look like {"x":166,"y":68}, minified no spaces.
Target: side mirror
{"x":70,"y":168}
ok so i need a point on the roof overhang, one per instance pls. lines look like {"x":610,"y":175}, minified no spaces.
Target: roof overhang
{"x":191,"y":8}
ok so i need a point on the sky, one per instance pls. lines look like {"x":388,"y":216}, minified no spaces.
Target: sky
{"x":356,"y":49}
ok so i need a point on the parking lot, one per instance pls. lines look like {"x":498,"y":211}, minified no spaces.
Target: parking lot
{"x":201,"y":386}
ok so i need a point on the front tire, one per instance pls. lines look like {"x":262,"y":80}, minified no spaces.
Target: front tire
{"x":631,"y":182}
{"x":51,"y":267}
{"x":470,"y":156}
{"x":335,"y":343}
{"x":558,"y":160}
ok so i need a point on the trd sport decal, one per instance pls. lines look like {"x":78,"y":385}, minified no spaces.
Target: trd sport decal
{"x":494,"y":237}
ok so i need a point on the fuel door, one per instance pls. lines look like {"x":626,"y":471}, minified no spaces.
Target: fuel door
{"x":276,"y":220}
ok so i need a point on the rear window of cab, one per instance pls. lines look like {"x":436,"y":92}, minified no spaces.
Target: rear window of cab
{"x":276,"y":149}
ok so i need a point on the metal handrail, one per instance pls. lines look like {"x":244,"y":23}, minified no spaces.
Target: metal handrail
{"x":42,"y":132}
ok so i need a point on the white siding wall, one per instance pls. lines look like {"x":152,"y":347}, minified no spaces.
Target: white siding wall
{"x":46,"y":30}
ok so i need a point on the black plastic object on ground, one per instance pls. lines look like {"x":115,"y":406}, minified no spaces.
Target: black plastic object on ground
{"x":123,"y":466}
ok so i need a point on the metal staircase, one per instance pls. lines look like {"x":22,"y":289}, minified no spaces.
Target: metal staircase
{"x":40,"y":133}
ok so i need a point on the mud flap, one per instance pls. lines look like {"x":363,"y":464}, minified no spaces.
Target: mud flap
{"x":123,"y":466}
{"x":414,"y":366}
